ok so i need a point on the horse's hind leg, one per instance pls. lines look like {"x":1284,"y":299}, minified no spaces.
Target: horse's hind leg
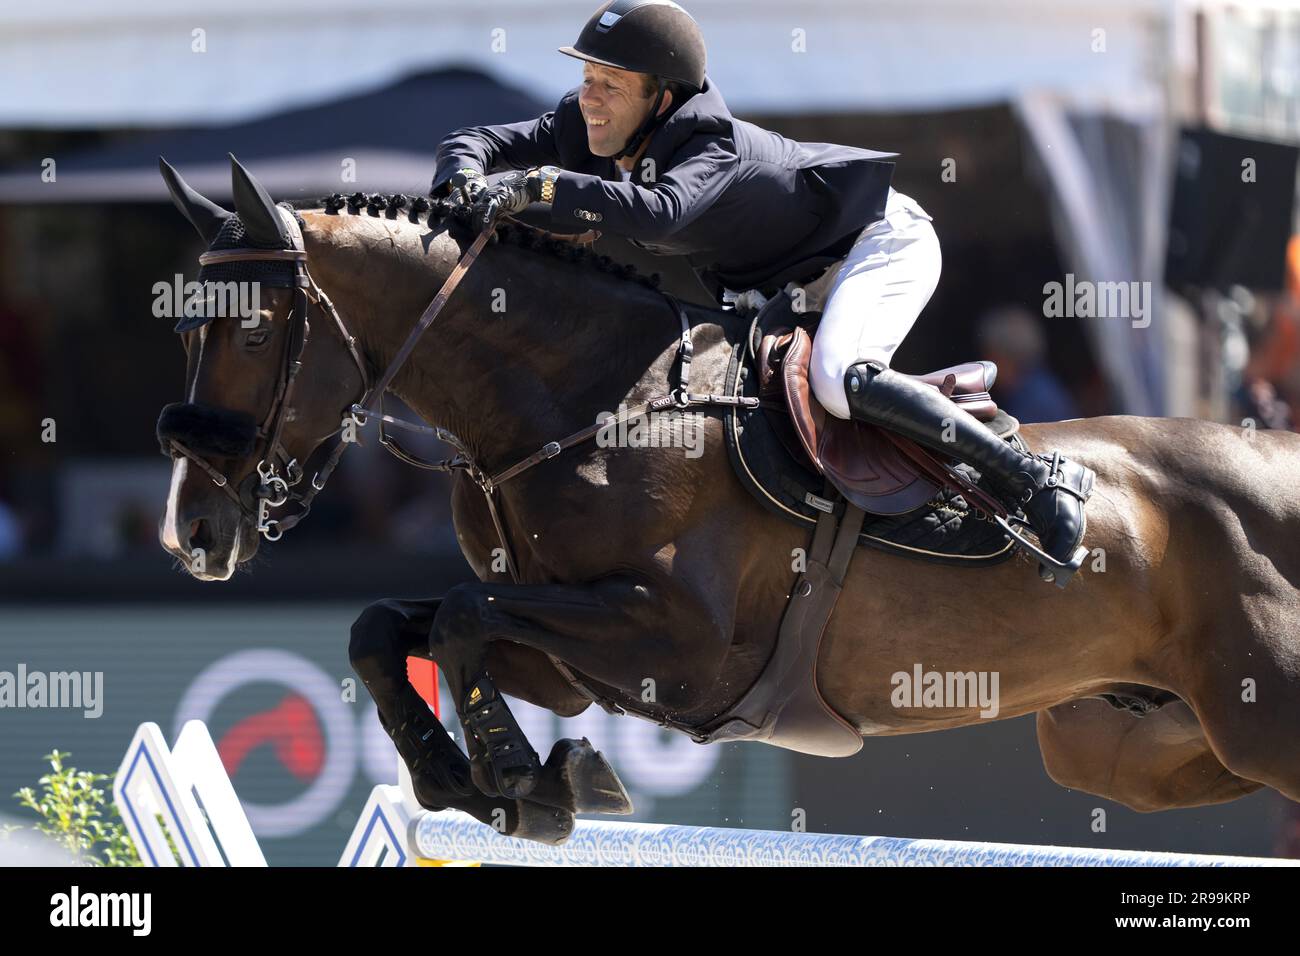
{"x":1243,"y":680}
{"x":384,"y":635}
{"x":1161,"y":761}
{"x":1234,"y":554}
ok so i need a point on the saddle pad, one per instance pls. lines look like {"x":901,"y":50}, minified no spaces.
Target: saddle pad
{"x":944,"y":530}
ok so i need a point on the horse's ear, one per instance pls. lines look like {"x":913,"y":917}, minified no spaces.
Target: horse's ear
{"x":256,"y":211}
{"x":203,"y":214}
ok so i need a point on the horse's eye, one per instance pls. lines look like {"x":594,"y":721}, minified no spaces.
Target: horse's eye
{"x":257,"y":337}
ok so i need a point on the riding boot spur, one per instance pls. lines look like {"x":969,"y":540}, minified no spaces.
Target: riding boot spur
{"x":1050,"y":489}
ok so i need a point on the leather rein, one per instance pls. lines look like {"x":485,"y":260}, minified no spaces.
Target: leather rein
{"x":274,"y":489}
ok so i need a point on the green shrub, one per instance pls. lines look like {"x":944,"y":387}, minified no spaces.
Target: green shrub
{"x":76,"y":809}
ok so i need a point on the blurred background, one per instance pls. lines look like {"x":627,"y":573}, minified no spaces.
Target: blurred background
{"x":1123,"y":141}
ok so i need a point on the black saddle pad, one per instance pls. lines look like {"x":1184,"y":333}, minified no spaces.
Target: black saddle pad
{"x":944,"y":530}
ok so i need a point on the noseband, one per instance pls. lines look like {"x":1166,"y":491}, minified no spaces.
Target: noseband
{"x":271,"y":484}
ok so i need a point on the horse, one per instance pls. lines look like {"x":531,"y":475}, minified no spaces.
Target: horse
{"x":1167,"y":674}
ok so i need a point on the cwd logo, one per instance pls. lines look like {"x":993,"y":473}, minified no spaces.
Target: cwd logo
{"x":312,"y":732}
{"x":292,"y":730}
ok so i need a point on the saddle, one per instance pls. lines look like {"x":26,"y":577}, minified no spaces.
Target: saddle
{"x":879,"y":471}
{"x":800,"y":462}
{"x":853,"y":485}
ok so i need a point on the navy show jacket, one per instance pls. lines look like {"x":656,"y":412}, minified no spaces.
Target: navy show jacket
{"x":747,"y":207}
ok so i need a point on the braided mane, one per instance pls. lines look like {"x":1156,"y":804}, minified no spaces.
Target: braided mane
{"x":442,"y":211}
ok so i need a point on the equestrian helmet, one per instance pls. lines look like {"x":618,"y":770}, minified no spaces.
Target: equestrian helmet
{"x":644,"y":36}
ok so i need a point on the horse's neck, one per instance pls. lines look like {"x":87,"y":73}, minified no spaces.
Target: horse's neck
{"x":559,"y":353}
{"x":505,"y":375}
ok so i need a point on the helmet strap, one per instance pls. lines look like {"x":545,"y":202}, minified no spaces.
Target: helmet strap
{"x":647,"y":126}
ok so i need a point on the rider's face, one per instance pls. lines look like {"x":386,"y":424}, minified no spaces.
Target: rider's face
{"x":613,"y":104}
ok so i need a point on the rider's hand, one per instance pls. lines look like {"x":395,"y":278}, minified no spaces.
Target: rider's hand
{"x":515,"y":193}
{"x":466,"y":186}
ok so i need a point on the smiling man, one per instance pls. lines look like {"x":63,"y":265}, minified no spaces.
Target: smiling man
{"x":646,"y":149}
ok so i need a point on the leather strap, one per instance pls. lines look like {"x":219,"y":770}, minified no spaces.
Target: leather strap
{"x":929,"y":465}
{"x":430,"y":313}
{"x":784,"y":706}
{"x":252,"y":255}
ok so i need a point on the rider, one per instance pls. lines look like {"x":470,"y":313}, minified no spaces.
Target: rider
{"x":646,"y":149}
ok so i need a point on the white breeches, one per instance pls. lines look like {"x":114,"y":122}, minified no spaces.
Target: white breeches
{"x":871,"y":304}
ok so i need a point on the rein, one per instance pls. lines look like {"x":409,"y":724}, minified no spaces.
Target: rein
{"x":680,"y":397}
{"x":274,"y":490}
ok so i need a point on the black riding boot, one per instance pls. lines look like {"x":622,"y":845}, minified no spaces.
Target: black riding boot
{"x":1050,"y":489}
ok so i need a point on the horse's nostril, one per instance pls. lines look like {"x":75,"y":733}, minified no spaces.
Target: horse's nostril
{"x":200,"y":536}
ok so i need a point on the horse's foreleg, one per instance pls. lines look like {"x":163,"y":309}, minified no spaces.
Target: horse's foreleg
{"x":383,"y":636}
{"x":621,"y":631}
{"x":1161,"y":761}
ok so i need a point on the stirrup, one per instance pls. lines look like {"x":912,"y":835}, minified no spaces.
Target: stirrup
{"x":1049,"y":569}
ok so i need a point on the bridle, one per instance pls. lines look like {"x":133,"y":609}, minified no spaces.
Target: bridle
{"x":266,"y":488}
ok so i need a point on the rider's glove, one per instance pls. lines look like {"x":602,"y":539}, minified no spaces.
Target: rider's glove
{"x":466,"y":186}
{"x":515,"y":193}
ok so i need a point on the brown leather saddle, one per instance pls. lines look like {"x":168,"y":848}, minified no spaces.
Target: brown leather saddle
{"x":879,"y":471}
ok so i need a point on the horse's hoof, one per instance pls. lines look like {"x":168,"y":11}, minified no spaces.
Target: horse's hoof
{"x":541,"y":823}
{"x":589,"y":777}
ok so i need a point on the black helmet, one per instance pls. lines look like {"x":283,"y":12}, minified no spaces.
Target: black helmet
{"x":644,"y":36}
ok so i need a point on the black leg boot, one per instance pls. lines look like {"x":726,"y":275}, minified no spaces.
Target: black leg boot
{"x":1050,"y":489}
{"x":439,"y":771}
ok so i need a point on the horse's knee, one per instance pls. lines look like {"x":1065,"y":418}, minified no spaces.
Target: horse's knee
{"x":375,"y":635}
{"x":458,"y":616}
{"x":1059,"y":757}
{"x":1071,"y":759}
{"x":1140,"y":796}
{"x":1063,"y":770}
